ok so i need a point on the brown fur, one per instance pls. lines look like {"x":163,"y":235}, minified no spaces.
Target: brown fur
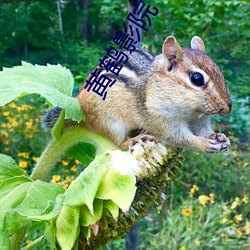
{"x":156,"y":95}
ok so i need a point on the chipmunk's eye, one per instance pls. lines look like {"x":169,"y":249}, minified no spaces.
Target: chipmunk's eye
{"x":197,"y":79}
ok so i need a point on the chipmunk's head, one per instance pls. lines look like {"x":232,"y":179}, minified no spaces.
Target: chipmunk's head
{"x":197,"y":76}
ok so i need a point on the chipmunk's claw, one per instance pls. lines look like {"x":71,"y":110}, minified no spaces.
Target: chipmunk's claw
{"x":218,"y":142}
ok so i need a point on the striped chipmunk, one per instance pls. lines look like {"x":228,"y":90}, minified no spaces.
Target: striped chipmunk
{"x":169,"y":97}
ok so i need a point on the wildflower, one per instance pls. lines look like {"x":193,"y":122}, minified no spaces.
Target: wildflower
{"x":238,"y":218}
{"x":73,"y":168}
{"x":77,"y":162}
{"x":247,"y":227}
{"x":203,"y":199}
{"x":223,"y":220}
{"x":65,"y":185}
{"x":6,"y":113}
{"x":183,"y":248}
{"x":211,"y":195}
{"x":197,"y":242}
{"x":70,"y":178}
{"x":224,"y":164}
{"x":12,"y":105}
{"x":193,"y":190}
{"x":186,"y":211}
{"x":235,"y":203}
{"x":35,"y":159}
{"x":234,"y":152}
{"x":4,"y":134}
{"x":13,"y":123}
{"x":29,"y":124}
{"x":245,"y":199}
{"x":23,"y":164}
{"x":65,"y":163}
{"x":24,"y":155}
{"x":55,"y":178}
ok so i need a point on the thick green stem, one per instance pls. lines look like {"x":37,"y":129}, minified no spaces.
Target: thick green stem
{"x":57,"y":147}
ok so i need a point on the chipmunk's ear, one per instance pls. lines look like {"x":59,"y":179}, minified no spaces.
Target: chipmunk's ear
{"x":197,"y":43}
{"x":172,"y":50}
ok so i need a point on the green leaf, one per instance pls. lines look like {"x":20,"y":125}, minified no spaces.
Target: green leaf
{"x":83,"y":189}
{"x":9,"y":168}
{"x":58,"y":127}
{"x":67,"y":226}
{"x":112,"y":208}
{"x":50,"y":234}
{"x":86,"y":218}
{"x":118,"y":188}
{"x":53,"y":82}
{"x":9,"y":184}
{"x":39,"y":194}
{"x":83,"y":152}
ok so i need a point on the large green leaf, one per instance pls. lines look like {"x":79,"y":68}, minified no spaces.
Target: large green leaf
{"x":67,"y":226}
{"x":21,"y":197}
{"x":53,"y":82}
{"x":118,"y":188}
{"x":9,"y":168}
{"x":83,"y":152}
{"x":82,"y":191}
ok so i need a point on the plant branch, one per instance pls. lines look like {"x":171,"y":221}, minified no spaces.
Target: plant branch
{"x":57,"y":147}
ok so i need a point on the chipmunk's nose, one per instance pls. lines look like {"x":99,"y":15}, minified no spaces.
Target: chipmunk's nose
{"x":227,"y":108}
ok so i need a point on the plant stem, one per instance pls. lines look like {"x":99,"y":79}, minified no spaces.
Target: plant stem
{"x":57,"y":147}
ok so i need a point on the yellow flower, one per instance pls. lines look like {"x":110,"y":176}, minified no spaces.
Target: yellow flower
{"x":24,"y":155}
{"x":211,"y":195}
{"x":235,"y":203}
{"x":14,"y":123}
{"x":73,"y":168}
{"x":6,"y":113}
{"x":238,"y":218}
{"x":234,"y":152}
{"x":193,"y":190}
{"x":70,"y":178}
{"x":247,"y":227}
{"x":224,"y":164}
{"x":29,"y":124}
{"x":223,"y":221}
{"x":197,"y":242}
{"x":182,"y":248}
{"x":65,"y":185}
{"x":12,"y":105}
{"x":65,"y":163}
{"x":23,"y":164}
{"x":187,"y":211}
{"x":55,"y":178}
{"x":77,"y":162}
{"x":35,"y":159}
{"x":203,"y":199}
{"x":245,"y":199}
{"x":4,"y":134}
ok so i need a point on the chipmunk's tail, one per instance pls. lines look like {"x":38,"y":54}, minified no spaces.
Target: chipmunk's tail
{"x":50,"y":117}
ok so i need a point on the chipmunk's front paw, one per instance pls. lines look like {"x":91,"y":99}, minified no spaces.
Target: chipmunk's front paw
{"x":218,"y":142}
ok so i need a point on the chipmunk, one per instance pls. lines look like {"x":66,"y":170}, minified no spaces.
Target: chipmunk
{"x":170,"y":96}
